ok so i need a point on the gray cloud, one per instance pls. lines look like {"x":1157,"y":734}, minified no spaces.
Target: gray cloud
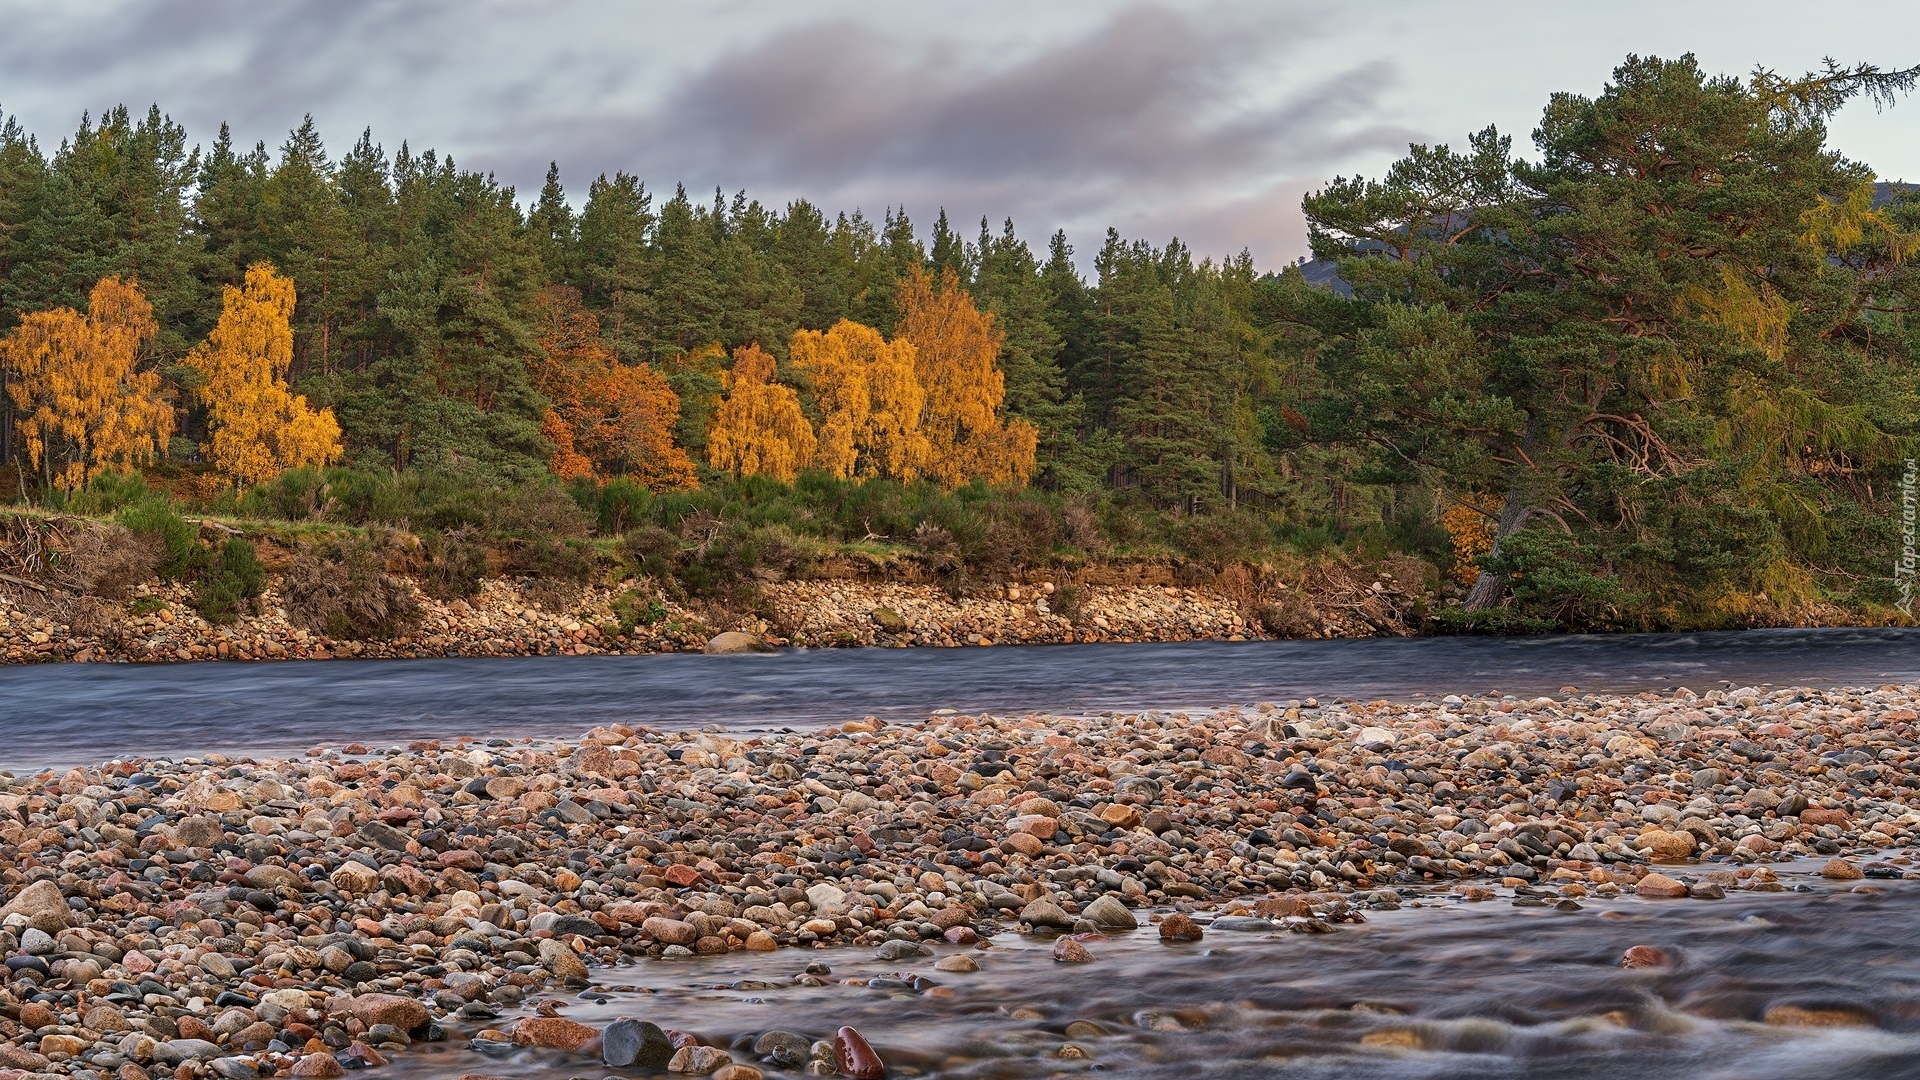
{"x":1186,"y":118}
{"x":1157,"y":117}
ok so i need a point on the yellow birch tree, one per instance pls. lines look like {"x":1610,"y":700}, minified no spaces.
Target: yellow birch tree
{"x":868,"y":398}
{"x":759,"y":430}
{"x":956,"y":350}
{"x":257,"y":427}
{"x":83,"y":408}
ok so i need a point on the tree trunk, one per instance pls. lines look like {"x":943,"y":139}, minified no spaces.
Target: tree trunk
{"x":1489,"y":587}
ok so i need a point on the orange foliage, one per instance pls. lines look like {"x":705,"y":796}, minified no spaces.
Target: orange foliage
{"x":759,"y":429}
{"x":257,"y":427}
{"x":956,"y":359}
{"x":83,"y":408}
{"x":607,"y":419}
{"x":869,"y":401}
{"x":1470,"y":524}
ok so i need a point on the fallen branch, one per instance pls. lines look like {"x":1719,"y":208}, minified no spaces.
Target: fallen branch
{"x":24,"y":583}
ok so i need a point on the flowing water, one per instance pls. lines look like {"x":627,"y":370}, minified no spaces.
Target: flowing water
{"x":1454,"y":990}
{"x":1436,"y":989}
{"x":65,"y":714}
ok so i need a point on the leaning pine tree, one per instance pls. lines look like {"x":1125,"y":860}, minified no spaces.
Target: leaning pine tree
{"x":1669,"y":356}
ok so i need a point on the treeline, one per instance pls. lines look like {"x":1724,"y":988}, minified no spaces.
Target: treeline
{"x":428,"y":295}
{"x":1664,"y":374}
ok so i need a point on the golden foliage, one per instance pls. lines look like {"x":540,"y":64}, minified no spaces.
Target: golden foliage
{"x":956,"y":359}
{"x":1754,"y":313}
{"x":759,"y":429}
{"x":83,"y":408}
{"x":1834,"y":225}
{"x":257,"y":427}
{"x":607,"y":418}
{"x":1470,"y":524}
{"x":868,"y":398}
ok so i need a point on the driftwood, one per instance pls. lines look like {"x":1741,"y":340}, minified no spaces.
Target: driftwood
{"x":24,"y":583}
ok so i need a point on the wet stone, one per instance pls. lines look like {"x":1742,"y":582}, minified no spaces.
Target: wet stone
{"x":628,"y":1042}
{"x":784,"y":1048}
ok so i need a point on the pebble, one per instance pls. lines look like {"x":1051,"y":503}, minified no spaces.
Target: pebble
{"x":697,"y":1059}
{"x":506,"y":619}
{"x":317,"y":892}
{"x":855,"y":1058}
{"x":628,"y":1042}
{"x":318,"y":1067}
{"x":784,"y":1048}
{"x":1068,"y":951}
{"x":554,"y":1033}
{"x":1044,"y":914}
{"x":1660,"y":886}
{"x":1178,"y":927}
{"x":1645,"y":956}
{"x":1108,"y":913}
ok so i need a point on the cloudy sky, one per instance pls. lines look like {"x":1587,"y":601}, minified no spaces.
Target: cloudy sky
{"x":1204,"y":119}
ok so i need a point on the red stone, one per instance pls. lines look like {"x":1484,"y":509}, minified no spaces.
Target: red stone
{"x":855,"y":1058}
{"x":1645,"y":956}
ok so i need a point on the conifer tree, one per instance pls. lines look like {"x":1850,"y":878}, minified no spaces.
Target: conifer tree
{"x":1604,"y":341}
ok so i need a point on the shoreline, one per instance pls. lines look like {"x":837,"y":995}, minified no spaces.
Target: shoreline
{"x":530,"y":616}
{"x":505,"y":619}
{"x":356,"y":887}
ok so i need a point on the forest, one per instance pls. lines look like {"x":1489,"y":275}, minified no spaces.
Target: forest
{"x":1659,"y":374}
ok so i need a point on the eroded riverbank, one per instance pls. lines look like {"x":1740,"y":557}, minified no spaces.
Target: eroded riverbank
{"x":458,"y":878}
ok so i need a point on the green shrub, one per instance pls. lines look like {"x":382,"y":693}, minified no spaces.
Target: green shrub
{"x":231,"y":584}
{"x":1068,"y":601}
{"x":651,"y":551}
{"x":178,"y":555}
{"x":620,"y":504}
{"x":1222,"y":538}
{"x":564,"y":560}
{"x":109,"y":493}
{"x":635,"y":607}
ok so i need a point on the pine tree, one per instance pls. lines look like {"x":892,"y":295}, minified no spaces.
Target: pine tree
{"x":447,"y":386}
{"x":554,"y":232}
{"x":1647,"y":347}
{"x":615,"y":261}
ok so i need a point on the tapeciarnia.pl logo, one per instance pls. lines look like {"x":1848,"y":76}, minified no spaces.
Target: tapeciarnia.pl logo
{"x":1904,"y":567}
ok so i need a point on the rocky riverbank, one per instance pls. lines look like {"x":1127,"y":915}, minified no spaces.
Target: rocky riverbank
{"x":246,"y":918}
{"x":512,"y":617}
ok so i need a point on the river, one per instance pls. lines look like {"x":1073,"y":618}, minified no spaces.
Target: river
{"x":1455,"y":991}
{"x":66,"y":714}
{"x":1439,"y":988}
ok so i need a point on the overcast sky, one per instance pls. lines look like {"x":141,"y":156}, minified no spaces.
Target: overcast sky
{"x":1203,"y":119}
